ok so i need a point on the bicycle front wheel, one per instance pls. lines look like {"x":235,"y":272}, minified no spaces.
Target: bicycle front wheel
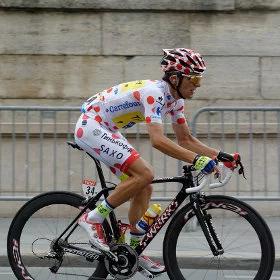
{"x":33,"y":230}
{"x":245,"y":237}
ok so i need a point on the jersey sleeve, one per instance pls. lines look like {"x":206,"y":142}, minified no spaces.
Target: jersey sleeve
{"x":177,"y":113}
{"x":87,"y":105}
{"x":153,"y":103}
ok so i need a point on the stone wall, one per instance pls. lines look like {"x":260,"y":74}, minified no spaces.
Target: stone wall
{"x":61,"y":52}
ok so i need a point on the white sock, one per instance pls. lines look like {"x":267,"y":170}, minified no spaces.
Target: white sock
{"x":100,"y":212}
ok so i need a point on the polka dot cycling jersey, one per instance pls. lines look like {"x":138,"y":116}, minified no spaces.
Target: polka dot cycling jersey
{"x":126,"y":104}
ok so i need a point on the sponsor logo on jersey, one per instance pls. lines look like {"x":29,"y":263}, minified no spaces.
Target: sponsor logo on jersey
{"x":134,"y":85}
{"x":111,"y":152}
{"x":124,"y":106}
{"x":96,"y":132}
{"x":128,"y":119}
{"x":106,"y":137}
{"x":154,"y":117}
{"x":158,"y":111}
{"x":130,"y":124}
{"x":160,"y":101}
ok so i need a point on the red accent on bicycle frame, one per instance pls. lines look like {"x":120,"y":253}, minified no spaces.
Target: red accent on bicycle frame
{"x":157,"y":225}
{"x":123,"y":227}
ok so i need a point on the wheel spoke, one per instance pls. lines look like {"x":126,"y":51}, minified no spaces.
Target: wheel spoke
{"x":45,"y":218}
{"x":238,"y":237}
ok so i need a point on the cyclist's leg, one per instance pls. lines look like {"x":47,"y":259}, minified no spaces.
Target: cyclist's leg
{"x":138,"y":205}
{"x":140,"y":176}
{"x":96,"y":140}
{"x":115,"y":151}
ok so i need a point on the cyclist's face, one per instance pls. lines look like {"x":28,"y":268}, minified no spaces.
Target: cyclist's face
{"x":189,"y":86}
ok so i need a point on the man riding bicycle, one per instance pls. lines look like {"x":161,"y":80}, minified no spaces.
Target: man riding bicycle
{"x":122,"y":106}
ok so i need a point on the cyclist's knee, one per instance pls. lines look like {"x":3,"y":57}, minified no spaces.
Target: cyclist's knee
{"x":149,"y":190}
{"x":146,"y":177}
{"x":141,"y":172}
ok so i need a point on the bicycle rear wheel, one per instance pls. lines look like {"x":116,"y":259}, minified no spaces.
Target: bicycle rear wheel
{"x":246,"y":239}
{"x":37,"y":224}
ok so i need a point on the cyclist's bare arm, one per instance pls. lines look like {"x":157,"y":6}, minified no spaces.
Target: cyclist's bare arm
{"x":189,"y":142}
{"x":167,"y":146}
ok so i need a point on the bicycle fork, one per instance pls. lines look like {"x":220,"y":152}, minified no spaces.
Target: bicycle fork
{"x":205,"y":222}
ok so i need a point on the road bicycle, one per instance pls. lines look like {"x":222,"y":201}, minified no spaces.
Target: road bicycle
{"x":230,"y":239}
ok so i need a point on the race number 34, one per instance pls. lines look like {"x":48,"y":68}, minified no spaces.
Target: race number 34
{"x":88,"y":187}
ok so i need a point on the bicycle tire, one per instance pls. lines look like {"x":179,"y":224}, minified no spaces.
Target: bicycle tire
{"x":198,"y":264}
{"x":24,"y":216}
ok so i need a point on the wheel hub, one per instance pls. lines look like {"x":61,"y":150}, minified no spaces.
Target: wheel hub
{"x":127,"y":264}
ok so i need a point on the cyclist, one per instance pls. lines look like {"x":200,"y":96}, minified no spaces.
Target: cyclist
{"x":122,"y":106}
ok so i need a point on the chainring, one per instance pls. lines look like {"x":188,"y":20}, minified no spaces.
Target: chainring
{"x":127,"y":264}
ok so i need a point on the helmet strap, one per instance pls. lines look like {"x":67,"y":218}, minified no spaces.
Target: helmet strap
{"x":179,"y":85}
{"x":177,"y":88}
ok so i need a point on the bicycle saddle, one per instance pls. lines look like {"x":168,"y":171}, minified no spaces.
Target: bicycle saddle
{"x":74,"y":145}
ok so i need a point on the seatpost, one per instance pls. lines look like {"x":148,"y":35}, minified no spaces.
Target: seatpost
{"x":100,"y":174}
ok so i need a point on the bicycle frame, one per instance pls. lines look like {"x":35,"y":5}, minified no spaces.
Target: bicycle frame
{"x":187,"y":183}
{"x":197,"y":208}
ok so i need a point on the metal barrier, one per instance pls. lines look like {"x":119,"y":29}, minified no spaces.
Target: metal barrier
{"x":18,"y":127}
{"x":34,"y":156}
{"x":255,"y":133}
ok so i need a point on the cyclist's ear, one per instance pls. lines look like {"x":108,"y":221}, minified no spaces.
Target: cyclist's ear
{"x":174,"y":80}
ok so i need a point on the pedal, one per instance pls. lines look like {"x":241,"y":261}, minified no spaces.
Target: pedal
{"x":146,"y":273}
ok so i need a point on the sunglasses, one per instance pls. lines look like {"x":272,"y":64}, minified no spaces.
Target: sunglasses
{"x":195,"y":80}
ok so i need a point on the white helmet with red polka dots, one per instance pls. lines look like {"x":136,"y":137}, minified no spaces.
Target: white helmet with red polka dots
{"x":182,"y":60}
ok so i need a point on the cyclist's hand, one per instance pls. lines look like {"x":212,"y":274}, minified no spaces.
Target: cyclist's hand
{"x":230,"y":160}
{"x":204,"y":164}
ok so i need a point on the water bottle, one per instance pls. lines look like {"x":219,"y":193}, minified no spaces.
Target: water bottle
{"x":148,"y":218}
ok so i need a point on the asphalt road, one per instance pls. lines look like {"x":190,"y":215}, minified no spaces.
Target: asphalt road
{"x":6,"y":274}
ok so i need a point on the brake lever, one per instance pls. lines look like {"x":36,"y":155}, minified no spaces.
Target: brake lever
{"x":241,"y":169}
{"x":237,"y":161}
